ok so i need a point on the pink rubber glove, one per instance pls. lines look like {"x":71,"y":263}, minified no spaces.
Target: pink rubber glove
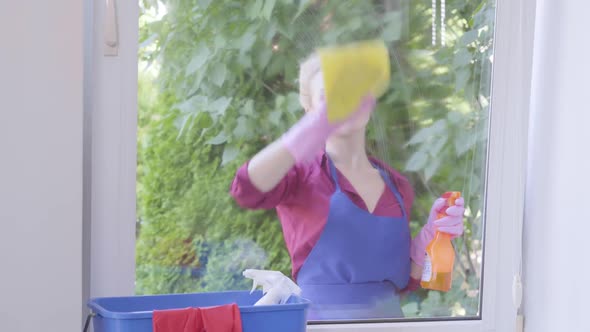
{"x":308,"y":136}
{"x":451,"y":224}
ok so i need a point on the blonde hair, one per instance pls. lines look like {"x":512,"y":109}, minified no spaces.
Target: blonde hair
{"x":307,"y":70}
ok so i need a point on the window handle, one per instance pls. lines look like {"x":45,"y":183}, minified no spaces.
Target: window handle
{"x":111,"y":38}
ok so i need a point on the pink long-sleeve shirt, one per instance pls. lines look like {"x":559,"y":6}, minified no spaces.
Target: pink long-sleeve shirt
{"x":302,"y":201}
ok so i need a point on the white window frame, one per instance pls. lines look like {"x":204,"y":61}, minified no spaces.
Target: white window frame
{"x":112,"y":178}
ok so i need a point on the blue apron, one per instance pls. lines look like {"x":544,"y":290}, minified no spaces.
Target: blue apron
{"x":359,"y":263}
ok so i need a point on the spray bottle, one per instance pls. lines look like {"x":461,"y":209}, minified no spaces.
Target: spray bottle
{"x":276,"y":287}
{"x":440,"y":254}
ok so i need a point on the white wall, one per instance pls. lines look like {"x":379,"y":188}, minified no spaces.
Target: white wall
{"x":41,"y":96}
{"x":557,"y":223}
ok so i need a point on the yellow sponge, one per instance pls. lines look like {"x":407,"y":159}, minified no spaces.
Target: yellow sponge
{"x":351,"y":72}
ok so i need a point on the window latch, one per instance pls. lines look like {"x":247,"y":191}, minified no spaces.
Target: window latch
{"x":111,"y":36}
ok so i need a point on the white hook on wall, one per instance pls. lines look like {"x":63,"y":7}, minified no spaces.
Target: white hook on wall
{"x":111,"y":35}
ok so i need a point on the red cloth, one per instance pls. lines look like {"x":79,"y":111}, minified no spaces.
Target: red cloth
{"x":225,"y":318}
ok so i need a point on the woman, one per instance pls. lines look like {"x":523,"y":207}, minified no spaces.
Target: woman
{"x":344,"y":214}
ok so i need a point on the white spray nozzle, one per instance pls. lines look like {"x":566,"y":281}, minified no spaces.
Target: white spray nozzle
{"x":276,"y":287}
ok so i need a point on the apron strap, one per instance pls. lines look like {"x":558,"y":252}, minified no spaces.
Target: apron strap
{"x":393,"y":189}
{"x":388,"y":182}
{"x":333,"y":173}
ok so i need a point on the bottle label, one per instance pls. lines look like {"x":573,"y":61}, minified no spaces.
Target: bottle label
{"x":427,"y":272}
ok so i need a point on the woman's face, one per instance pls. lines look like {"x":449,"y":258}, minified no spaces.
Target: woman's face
{"x":318,"y":92}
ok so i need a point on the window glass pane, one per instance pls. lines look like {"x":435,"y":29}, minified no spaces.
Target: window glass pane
{"x":219,"y":81}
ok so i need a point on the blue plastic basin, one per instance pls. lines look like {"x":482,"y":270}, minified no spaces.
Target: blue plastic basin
{"x":134,"y":313}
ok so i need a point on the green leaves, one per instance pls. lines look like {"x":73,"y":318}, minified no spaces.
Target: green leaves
{"x":192,"y":105}
{"x":462,"y":79}
{"x":417,"y":161}
{"x":275,"y":117}
{"x":267,"y":9}
{"x":227,"y":77}
{"x":411,"y":309}
{"x":246,"y":41}
{"x":431,"y":167}
{"x":229,"y":154}
{"x":263,"y":57}
{"x":248,"y":108}
{"x":465,"y":141}
{"x":241,"y":130}
{"x":219,"y":106}
{"x":469,"y":37}
{"x":203,"y":4}
{"x":218,"y":74}
{"x":199,"y":57}
{"x":438,"y":129}
{"x":462,"y":58}
{"x":255,"y":9}
{"x":303,"y":4}
{"x":219,"y":139}
{"x":393,"y":26}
